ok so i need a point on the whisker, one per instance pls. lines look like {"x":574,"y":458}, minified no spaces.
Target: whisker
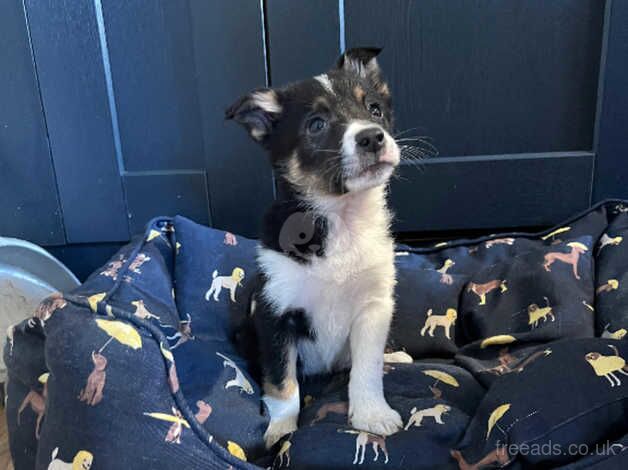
{"x":334,"y":167}
{"x":334,"y":177}
{"x":417,"y":153}
{"x":418,"y":165}
{"x":416,"y":147}
{"x":414,"y":157}
{"x":414,"y":137}
{"x":407,"y":130}
{"x":423,"y":143}
{"x":423,"y":151}
{"x":397,"y":176}
{"x":422,"y":140}
{"x":414,"y":160}
{"x":418,"y":140}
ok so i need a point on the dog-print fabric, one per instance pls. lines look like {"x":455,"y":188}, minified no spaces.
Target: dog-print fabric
{"x":425,"y":325}
{"x":611,"y":319}
{"x":110,"y":368}
{"x":573,"y":395}
{"x":436,"y":401}
{"x":498,"y":344}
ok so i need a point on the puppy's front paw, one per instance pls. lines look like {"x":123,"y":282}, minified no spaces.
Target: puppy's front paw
{"x":379,"y":419}
{"x":277,"y":429}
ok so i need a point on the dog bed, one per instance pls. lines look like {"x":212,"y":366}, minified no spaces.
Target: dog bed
{"x":517,"y":344}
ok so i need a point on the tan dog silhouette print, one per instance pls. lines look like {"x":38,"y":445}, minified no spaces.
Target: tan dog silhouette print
{"x":571,"y":258}
{"x":445,"y":321}
{"x":481,"y":290}
{"x":608,"y":366}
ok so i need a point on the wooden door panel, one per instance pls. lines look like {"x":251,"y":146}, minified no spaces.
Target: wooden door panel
{"x":66,"y":43}
{"x":490,"y":77}
{"x":611,"y":166}
{"x":229,"y":59}
{"x":118,"y":114}
{"x":154,"y":78}
{"x":499,"y":79}
{"x":166,"y":193}
{"x":303,"y":37}
{"x":491,"y":192}
{"x":29,"y":203}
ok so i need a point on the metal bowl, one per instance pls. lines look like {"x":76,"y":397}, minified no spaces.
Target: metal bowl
{"x":28,"y":274}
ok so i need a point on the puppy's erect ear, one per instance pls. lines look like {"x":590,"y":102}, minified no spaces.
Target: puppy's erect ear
{"x":256,"y":111}
{"x":362,"y":62}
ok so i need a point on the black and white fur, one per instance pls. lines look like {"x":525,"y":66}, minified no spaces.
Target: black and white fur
{"x":327,"y":274}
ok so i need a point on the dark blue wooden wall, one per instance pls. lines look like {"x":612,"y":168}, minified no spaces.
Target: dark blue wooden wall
{"x":111,"y":111}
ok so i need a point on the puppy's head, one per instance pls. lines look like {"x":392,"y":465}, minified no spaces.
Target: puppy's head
{"x":330,"y":134}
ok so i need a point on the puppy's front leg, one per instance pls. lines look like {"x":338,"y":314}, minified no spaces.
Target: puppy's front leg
{"x":282,"y":400}
{"x":368,"y":409}
{"x":278,"y":337}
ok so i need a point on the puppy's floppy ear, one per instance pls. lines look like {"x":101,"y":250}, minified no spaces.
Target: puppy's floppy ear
{"x":362,"y":62}
{"x":256,"y":111}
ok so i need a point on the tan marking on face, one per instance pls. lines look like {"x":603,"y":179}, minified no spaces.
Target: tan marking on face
{"x":296,"y":176}
{"x":383,"y":89}
{"x":359,"y":93}
{"x":293,"y":170}
{"x":320,"y":102}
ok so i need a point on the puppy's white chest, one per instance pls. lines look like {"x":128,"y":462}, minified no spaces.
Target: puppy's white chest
{"x":324,"y":298}
{"x":357,"y":269}
{"x":331,"y":290}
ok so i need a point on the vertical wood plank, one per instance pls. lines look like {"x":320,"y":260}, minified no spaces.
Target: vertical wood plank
{"x":29,"y":204}
{"x":303,"y":38}
{"x":154,"y":78}
{"x":611,"y":170}
{"x":69,"y":62}
{"x":229,"y":57}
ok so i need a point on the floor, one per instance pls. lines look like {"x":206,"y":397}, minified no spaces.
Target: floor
{"x":5,"y":457}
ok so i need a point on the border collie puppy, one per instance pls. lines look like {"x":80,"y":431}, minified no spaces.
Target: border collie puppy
{"x":326,"y":258}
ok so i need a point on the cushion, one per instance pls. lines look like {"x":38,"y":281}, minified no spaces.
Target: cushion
{"x":435,"y":400}
{"x":121,"y":370}
{"x":135,"y":369}
{"x":425,"y":320}
{"x":537,"y":290}
{"x":524,"y":413}
{"x":612,"y":298}
{"x":216,"y":266}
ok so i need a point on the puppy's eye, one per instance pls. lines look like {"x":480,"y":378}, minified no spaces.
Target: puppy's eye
{"x":316,"y":125}
{"x":375,"y":110}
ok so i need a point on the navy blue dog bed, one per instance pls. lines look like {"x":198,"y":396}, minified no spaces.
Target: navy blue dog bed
{"x":518,"y":344}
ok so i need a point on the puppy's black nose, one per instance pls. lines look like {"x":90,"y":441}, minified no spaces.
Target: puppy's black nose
{"x":370,"y":139}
